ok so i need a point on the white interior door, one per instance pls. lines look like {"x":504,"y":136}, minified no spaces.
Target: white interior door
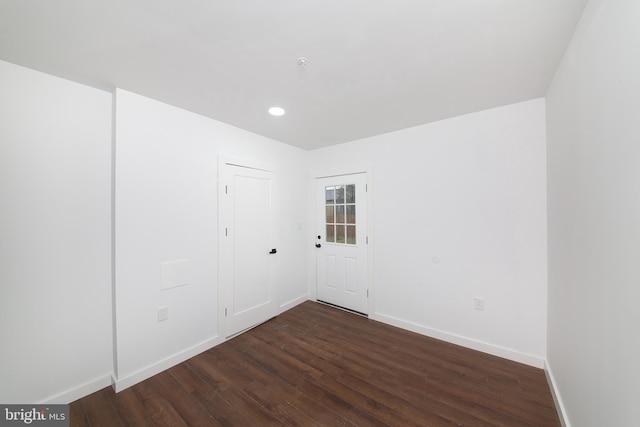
{"x":341,"y":246}
{"x":246,"y":251}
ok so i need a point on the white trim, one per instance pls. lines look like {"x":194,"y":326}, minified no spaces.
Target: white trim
{"x":329,"y":172}
{"x":141,"y":375}
{"x":560,"y":408}
{"x":312,"y":227}
{"x":335,"y":175}
{"x":242,"y":163}
{"x":222,"y":164}
{"x":112,"y":254}
{"x":484,"y":347}
{"x":78,"y":392}
{"x":292,"y":303}
{"x":370,"y":242}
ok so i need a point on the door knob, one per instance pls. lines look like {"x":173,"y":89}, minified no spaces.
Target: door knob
{"x":273,"y":251}
{"x":318,"y":245}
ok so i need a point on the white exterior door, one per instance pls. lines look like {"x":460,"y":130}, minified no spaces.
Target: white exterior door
{"x":341,"y":244}
{"x":247,"y":253}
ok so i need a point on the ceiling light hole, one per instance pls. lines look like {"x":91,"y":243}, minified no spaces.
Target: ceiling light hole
{"x":276,"y":111}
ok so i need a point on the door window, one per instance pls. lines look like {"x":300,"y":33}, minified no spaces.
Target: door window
{"x":340,"y":214}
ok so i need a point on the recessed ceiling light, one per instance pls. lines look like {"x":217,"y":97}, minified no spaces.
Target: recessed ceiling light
{"x":276,"y":111}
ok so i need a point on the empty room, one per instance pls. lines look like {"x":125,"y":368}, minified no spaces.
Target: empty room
{"x":320,"y":213}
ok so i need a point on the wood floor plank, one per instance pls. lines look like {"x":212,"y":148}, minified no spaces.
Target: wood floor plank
{"x":221,"y":410}
{"x":339,"y":404}
{"x":184,"y":403}
{"x":158,"y":409}
{"x":256,"y":413}
{"x":429,"y":399}
{"x":283,"y":390}
{"x":98,"y":410}
{"x":188,"y":379}
{"x":77,"y":414}
{"x":204,"y":366}
{"x":129,"y":409}
{"x":315,"y":365}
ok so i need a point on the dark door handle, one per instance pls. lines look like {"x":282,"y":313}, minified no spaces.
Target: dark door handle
{"x":318,"y":245}
{"x":273,"y":251}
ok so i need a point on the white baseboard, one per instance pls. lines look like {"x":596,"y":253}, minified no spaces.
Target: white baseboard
{"x":141,"y":375}
{"x":290,"y":304}
{"x":79,"y":391}
{"x":484,"y":347}
{"x":556,"y":396}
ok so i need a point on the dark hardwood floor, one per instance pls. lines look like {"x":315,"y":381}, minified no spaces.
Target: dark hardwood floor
{"x":319,"y":366}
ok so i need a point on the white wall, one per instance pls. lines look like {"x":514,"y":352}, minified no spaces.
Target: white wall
{"x":593,"y":120}
{"x":471,"y":191}
{"x":166,"y":210}
{"x":55,"y":273}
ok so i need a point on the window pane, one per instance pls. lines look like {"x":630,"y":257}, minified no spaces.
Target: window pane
{"x":340,"y":194}
{"x":351,"y":234}
{"x":351,"y":214}
{"x":339,"y":233}
{"x":330,"y":233}
{"x":340,"y":214}
{"x":329,"y":195}
{"x":351,"y":193}
{"x":330,"y":217}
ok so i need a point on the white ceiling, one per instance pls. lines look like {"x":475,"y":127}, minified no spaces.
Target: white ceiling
{"x":374,"y":65}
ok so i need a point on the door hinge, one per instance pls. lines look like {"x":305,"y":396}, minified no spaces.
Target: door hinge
{"x":226,"y":189}
{"x":367,"y":239}
{"x":366,"y":188}
{"x":225,"y":310}
{"x":226,"y":232}
{"x":367,"y":293}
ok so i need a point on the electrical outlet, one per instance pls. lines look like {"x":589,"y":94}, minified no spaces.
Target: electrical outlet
{"x":163,"y":313}
{"x":478,"y":303}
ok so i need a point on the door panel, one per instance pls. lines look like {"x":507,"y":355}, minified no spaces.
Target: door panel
{"x":351,"y":275}
{"x":248,"y":294}
{"x":341,"y":256}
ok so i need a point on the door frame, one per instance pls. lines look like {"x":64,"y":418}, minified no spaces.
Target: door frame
{"x":312,"y":218}
{"x":223,"y":162}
